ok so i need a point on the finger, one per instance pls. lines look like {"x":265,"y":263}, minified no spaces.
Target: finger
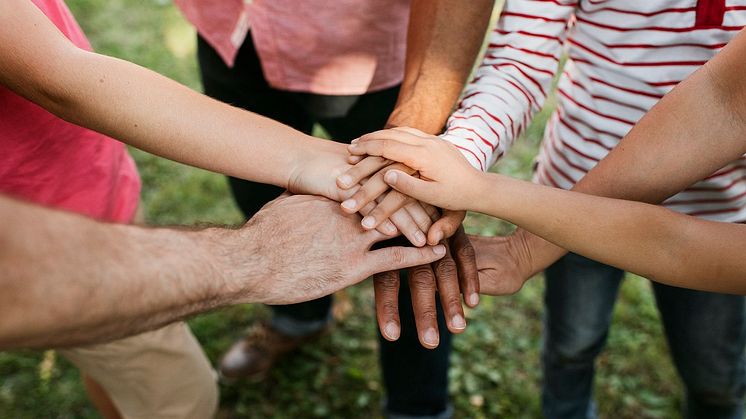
{"x":431,"y":211}
{"x":422,"y":288}
{"x":413,"y":131}
{"x":372,"y":190}
{"x":446,"y":226}
{"x":446,"y":276}
{"x":408,"y":227}
{"x":386,"y":288}
{"x":367,"y":167}
{"x":397,"y":257}
{"x":466,"y":262}
{"x":391,"y":207}
{"x":386,"y":227}
{"x":419,"y":213}
{"x":354,"y":159}
{"x":402,"y":135}
{"x":409,"y":154}
{"x":421,"y":190}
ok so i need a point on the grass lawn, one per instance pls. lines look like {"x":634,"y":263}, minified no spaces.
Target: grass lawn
{"x":495,"y":371}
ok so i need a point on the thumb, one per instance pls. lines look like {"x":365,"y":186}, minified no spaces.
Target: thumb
{"x":421,"y":190}
{"x":445,"y":226}
{"x":395,"y":258}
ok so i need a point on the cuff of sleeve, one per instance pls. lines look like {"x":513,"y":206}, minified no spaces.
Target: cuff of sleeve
{"x":467,"y":150}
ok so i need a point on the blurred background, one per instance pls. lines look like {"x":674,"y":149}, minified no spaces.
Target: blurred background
{"x":495,"y":368}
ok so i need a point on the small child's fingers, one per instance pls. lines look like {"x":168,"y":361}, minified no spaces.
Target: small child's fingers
{"x":365,"y":168}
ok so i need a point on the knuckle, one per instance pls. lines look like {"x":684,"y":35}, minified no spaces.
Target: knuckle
{"x":390,"y":308}
{"x":428,"y":314}
{"x":387,"y":286}
{"x":466,"y":252}
{"x":398,"y":256}
{"x":446,"y":268}
{"x":425,"y":281}
{"x":453,"y":305}
{"x":421,"y":271}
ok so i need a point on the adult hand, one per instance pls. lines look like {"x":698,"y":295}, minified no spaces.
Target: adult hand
{"x":452,"y":276}
{"x":504,"y":263}
{"x":309,"y":249}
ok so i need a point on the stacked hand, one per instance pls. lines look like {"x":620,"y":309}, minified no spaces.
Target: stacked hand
{"x":428,"y":169}
{"x":363,"y":189}
{"x":454,"y":275}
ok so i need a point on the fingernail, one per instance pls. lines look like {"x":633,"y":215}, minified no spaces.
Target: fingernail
{"x":419,"y":237}
{"x":350,"y":204}
{"x":474,"y":299}
{"x":355,"y":141}
{"x":345,"y":180}
{"x":439,"y":250}
{"x":391,"y":330}
{"x":369,"y":222}
{"x":458,"y":322}
{"x":431,"y":337}
{"x":389,"y":227}
{"x":353,"y":146}
{"x":438,"y":236}
{"x":390,"y":176}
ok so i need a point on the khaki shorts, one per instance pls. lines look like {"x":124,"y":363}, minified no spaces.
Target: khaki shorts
{"x":158,"y":374}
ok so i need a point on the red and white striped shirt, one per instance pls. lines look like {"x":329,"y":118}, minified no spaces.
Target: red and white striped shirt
{"x":623,"y":56}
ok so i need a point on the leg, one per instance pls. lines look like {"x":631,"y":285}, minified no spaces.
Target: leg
{"x":158,"y":374}
{"x":244,"y":86}
{"x":100,"y":399}
{"x":416,"y":378}
{"x":580,"y":295}
{"x":706,"y":334}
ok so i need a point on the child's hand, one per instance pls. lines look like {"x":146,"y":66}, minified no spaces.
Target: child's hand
{"x":316,"y":175}
{"x":448,"y":180}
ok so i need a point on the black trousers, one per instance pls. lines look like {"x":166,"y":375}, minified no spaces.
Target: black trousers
{"x":416,"y":378}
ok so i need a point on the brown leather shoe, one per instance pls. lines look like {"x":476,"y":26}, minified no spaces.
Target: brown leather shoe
{"x":253,"y":356}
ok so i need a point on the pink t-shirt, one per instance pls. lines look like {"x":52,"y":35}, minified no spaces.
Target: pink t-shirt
{"x":332,"y":47}
{"x":58,"y":164}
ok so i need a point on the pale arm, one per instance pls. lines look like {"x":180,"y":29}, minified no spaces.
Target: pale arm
{"x":142,"y":108}
{"x":648,"y":240}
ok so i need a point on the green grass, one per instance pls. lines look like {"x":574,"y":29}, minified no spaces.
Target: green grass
{"x":495,"y":370}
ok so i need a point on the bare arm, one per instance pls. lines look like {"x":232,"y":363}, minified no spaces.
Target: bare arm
{"x":442,"y":43}
{"x":67,"y":280}
{"x":646,"y":239}
{"x":693,"y":131}
{"x":146,"y":110}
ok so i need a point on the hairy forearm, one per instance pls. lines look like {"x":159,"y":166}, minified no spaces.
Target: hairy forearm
{"x":645,"y":239}
{"x":68,"y":280}
{"x":443,"y":41}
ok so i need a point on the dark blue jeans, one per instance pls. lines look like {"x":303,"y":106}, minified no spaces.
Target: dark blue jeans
{"x":706,"y":333}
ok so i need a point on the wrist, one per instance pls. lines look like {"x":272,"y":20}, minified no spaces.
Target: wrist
{"x":230,"y":257}
{"x":410,"y":114}
{"x":537,"y":253}
{"x":298,"y":160}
